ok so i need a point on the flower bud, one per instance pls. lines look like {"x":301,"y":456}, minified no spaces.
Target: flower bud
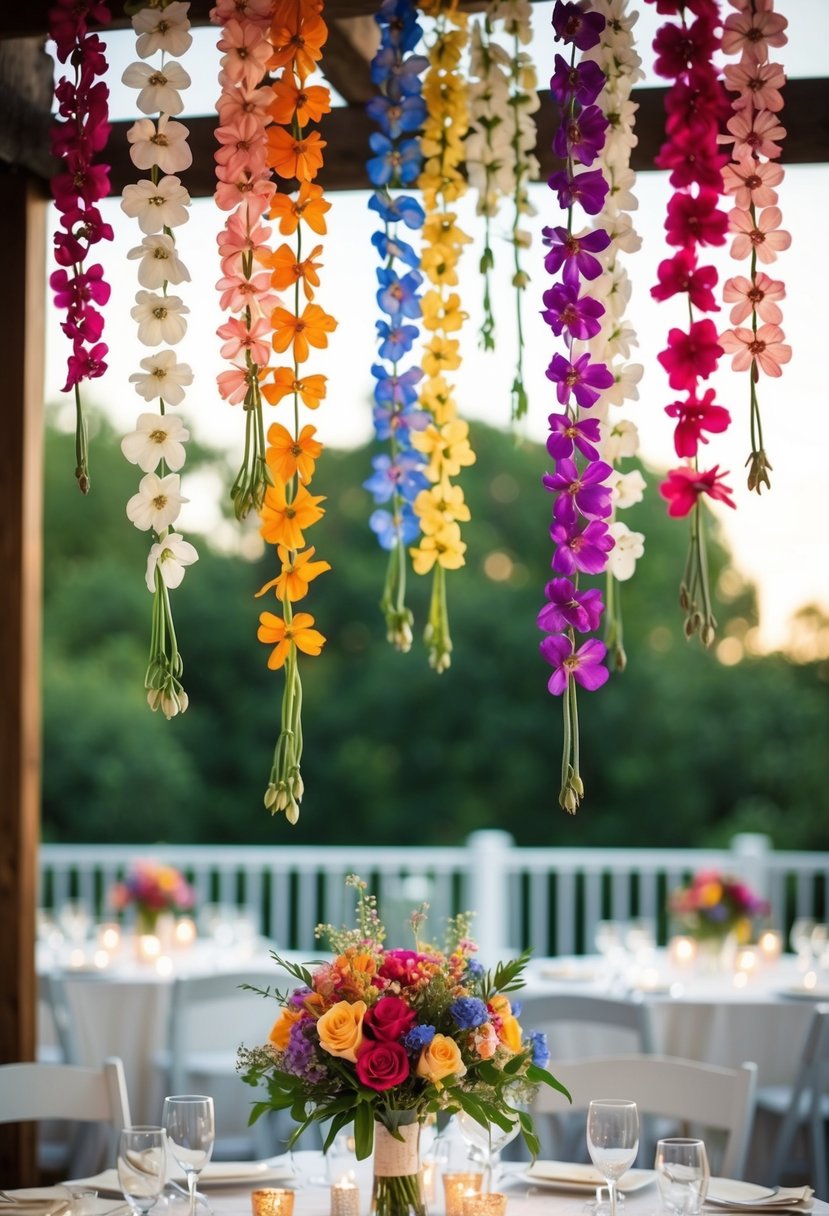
{"x":270,"y":796}
{"x":292,"y":812}
{"x":620,"y":659}
{"x":183,"y":700}
{"x":154,"y":698}
{"x":520,"y":279}
{"x":169,"y":705}
{"x":298,"y":785}
{"x":708,"y":632}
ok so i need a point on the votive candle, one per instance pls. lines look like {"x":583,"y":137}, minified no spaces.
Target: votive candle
{"x":771,"y":944}
{"x":345,"y":1198}
{"x":682,"y":951}
{"x":456,"y":1187}
{"x":493,"y":1203}
{"x":272,"y":1201}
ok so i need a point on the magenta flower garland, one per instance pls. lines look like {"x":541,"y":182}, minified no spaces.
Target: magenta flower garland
{"x":754,"y":130}
{"x":80,"y":132}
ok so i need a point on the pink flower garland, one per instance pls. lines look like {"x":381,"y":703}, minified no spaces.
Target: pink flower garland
{"x":80,"y":131}
{"x":244,"y":188}
{"x":684,"y":54}
{"x":754,"y":129}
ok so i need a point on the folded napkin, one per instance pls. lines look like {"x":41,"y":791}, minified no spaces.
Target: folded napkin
{"x":783,"y":1199}
{"x":20,"y":1205}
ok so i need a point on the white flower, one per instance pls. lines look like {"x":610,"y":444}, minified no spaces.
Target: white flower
{"x":157,"y":503}
{"x":621,"y":560}
{"x":163,"y":30}
{"x":159,"y":89}
{"x":170,"y":555}
{"x":619,"y":341}
{"x":165,"y":378}
{"x":156,"y":437}
{"x":627,"y":488}
{"x":156,"y":206}
{"x":159,"y":318}
{"x":164,"y":145}
{"x":620,"y":196}
{"x":620,"y":440}
{"x":625,"y":383}
{"x":159,"y":263}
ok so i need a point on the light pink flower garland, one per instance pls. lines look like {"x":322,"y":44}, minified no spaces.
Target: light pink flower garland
{"x":755,"y":130}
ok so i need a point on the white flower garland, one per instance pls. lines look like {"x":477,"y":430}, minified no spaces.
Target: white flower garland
{"x":159,"y":205}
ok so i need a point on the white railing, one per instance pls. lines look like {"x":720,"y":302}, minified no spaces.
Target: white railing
{"x":547,"y":898}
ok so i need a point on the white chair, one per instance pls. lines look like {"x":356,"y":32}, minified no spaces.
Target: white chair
{"x":33,"y":1092}
{"x":803,"y":1110}
{"x":702,"y":1097}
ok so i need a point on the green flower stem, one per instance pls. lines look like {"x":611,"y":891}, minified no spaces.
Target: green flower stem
{"x":572,"y":786}
{"x":162,"y":679}
{"x":520,"y":278}
{"x":614,"y":626}
{"x":695,"y":591}
{"x":398,"y":1196}
{"x":81,"y":445}
{"x":758,"y":462}
{"x":436,"y":634}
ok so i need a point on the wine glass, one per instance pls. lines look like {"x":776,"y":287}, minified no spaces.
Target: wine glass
{"x":485,"y":1142}
{"x":682,"y":1174}
{"x":142,"y":1166}
{"x":191,"y":1130}
{"x":612,"y":1139}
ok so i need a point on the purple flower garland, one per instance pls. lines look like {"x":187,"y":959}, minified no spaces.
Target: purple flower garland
{"x":582,"y":497}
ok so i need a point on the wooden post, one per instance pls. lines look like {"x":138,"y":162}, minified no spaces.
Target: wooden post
{"x":22,"y":307}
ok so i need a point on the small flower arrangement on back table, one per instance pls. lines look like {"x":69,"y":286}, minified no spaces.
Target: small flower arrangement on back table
{"x":153,"y":888}
{"x":383,"y":1037}
{"x":715,"y":905}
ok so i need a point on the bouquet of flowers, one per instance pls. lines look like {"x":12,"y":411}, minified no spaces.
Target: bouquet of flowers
{"x":153,"y":888}
{"x":714,"y":905}
{"x":384,"y":1037}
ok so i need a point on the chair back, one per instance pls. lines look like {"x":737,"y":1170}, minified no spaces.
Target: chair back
{"x":807,"y":1104}
{"x":582,"y":1009}
{"x":701,"y":1096}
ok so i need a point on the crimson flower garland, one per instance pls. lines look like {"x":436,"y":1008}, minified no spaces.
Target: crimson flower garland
{"x":79,"y":133}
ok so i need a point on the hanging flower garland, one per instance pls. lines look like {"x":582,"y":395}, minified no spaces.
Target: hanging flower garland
{"x":297,"y":35}
{"x":580,"y":483}
{"x":159,"y":204}
{"x":396,"y":161}
{"x":685,"y":53}
{"x":499,"y":153}
{"x":79,"y":132}
{"x":755,"y":131}
{"x":244,"y":188}
{"x":445,"y":441}
{"x":616,"y":55}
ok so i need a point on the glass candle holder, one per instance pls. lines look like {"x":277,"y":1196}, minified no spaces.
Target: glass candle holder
{"x":272,"y":1201}
{"x":770,"y":942}
{"x":345,"y":1198}
{"x":493,"y":1203}
{"x":456,"y":1187}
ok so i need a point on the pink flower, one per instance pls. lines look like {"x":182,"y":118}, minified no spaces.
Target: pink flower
{"x":764,"y":236}
{"x":751,"y":34}
{"x":232,"y":106}
{"x":754,"y":134}
{"x":239,"y":237}
{"x":243,"y":188}
{"x":695,"y":416}
{"x":754,"y":295}
{"x":247,"y":52}
{"x":689,"y":357}
{"x":240,"y":338}
{"x":258,"y":11}
{"x":234,"y":384}
{"x":242,"y":146}
{"x":758,"y":85}
{"x":751,"y":181}
{"x":239,"y":291}
{"x":695,"y":220}
{"x":765,"y":349}
{"x":84,"y":364}
{"x":683,"y":486}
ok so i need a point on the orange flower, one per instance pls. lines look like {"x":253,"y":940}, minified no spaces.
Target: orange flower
{"x":283,"y":521}
{"x":287,"y":456}
{"x":286,"y":269}
{"x":311,"y":329}
{"x":292,"y":157}
{"x":297,"y":43}
{"x":309,"y":206}
{"x":292,"y":583}
{"x":299,"y":632}
{"x":307,"y":104}
{"x":310,"y":388}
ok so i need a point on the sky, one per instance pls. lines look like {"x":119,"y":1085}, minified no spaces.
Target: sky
{"x":780,"y":540}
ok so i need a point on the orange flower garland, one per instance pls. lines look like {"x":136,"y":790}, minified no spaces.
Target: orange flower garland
{"x":297,"y":36}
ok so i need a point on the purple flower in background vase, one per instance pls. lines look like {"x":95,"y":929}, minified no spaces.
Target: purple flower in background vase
{"x":584,"y":665}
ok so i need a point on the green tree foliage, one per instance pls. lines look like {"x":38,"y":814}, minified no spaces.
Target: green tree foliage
{"x":679,"y":749}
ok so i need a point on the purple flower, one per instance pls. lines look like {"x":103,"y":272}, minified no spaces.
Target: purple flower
{"x":467,"y":1012}
{"x":589,"y":190}
{"x":565,"y":434}
{"x":583,"y":665}
{"x":565,"y":309}
{"x":398,"y":296}
{"x":574,"y":253}
{"x":582,"y":81}
{"x":583,"y":379}
{"x":579,"y":491}
{"x":573,"y":25}
{"x":399,"y":421}
{"x":582,"y":549}
{"x":299,"y":1057}
{"x":570,"y":609}
{"x":395,"y":340}
{"x":399,"y":389}
{"x":582,"y":137}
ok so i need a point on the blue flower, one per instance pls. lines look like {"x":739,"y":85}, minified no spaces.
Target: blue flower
{"x":539,"y":1048}
{"x":401,"y":77}
{"x":395,"y":117}
{"x":474,"y":968}
{"x":398,"y":22}
{"x":515,"y":1007}
{"x":396,"y":340}
{"x":418,"y":1038}
{"x":389,"y":529}
{"x":399,"y":421}
{"x":390,"y":247}
{"x":393,"y":162}
{"x":404,"y":475}
{"x":398,"y":295}
{"x":468,"y":1012}
{"x":397,"y":389}
{"x":403,"y":208}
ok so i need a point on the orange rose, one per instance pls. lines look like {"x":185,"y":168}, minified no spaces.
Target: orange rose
{"x":281,"y":1029}
{"x":341,"y":1029}
{"x":510,"y":1032}
{"x":442,"y":1058}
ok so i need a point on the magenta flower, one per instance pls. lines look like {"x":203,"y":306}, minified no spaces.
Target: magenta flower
{"x":574,"y":253}
{"x":581,"y":81}
{"x":565,"y":434}
{"x":681,"y":154}
{"x":584,"y":665}
{"x":695,"y":416}
{"x":689,"y":357}
{"x":696,"y":220}
{"x":582,"y":136}
{"x":582,"y":549}
{"x":85,"y":364}
{"x":589,"y":189}
{"x":566,"y":310}
{"x":579,"y":492}
{"x":683,"y":486}
{"x":681,"y":273}
{"x":679,"y":46}
{"x":568,"y":608}
{"x":576,"y":27}
{"x":583,"y":380}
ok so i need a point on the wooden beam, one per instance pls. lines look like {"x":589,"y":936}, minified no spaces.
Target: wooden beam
{"x":22,"y":314}
{"x":345,"y":66}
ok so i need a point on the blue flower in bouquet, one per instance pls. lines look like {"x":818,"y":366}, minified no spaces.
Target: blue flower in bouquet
{"x":468,"y":1012}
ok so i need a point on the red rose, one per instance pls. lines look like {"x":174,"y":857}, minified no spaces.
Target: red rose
{"x":389,"y":1019}
{"x":382,"y":1065}
{"x":401,"y":965}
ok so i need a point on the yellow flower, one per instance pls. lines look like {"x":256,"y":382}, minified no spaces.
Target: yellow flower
{"x":447,"y":448}
{"x":340,"y":1030}
{"x":281,"y":1029}
{"x":436,"y":397}
{"x":440,"y":505}
{"x":442,"y":1058}
{"x":710,"y":894}
{"x":292,"y":583}
{"x":444,"y":547}
{"x":510,"y":1032}
{"x":297,"y":633}
{"x":439,"y":266}
{"x":442,"y":312}
{"x":441,"y":229}
{"x":441,"y":354}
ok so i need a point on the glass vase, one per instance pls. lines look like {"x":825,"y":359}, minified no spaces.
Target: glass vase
{"x":398,"y":1179}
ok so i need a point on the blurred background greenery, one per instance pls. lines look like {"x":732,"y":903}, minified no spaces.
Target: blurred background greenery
{"x":684,"y":748}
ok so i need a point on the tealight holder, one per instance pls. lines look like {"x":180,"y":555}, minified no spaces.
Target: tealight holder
{"x":147,"y":947}
{"x":184,"y":933}
{"x":770,"y":942}
{"x":682,"y":951}
{"x":272,"y":1201}
{"x":456,"y":1187}
{"x":345,"y":1198}
{"x":492,"y":1203}
{"x":109,"y":937}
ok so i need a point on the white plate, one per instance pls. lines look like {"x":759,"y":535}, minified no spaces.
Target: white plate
{"x":729,"y":1190}
{"x":578,"y":1177}
{"x":569,"y":973}
{"x":215,"y":1173}
{"x":802,"y":993}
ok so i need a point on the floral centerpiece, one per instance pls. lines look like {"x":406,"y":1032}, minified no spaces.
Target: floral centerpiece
{"x":381,"y":1038}
{"x":153,"y":888}
{"x":714,"y":906}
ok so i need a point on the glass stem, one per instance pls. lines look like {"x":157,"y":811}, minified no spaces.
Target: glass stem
{"x":611,"y":1190}
{"x":192,"y":1182}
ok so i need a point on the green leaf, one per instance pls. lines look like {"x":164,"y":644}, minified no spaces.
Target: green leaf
{"x":363,"y":1130}
{"x":540,"y":1076}
{"x":516,"y":1063}
{"x":339,"y":1121}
